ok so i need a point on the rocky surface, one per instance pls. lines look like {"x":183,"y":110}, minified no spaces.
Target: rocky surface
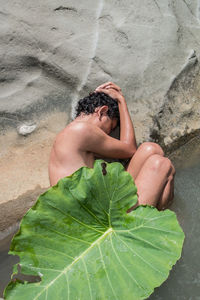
{"x":54,"y":52}
{"x":179,"y":117}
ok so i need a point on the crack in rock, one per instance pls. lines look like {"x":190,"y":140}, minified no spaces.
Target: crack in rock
{"x":156,"y":3}
{"x":102,"y":65}
{"x":122,"y":39}
{"x":63,"y":8}
{"x":51,"y":68}
{"x":189,"y":9}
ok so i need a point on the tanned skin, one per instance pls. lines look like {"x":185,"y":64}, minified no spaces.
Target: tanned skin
{"x":87,"y":137}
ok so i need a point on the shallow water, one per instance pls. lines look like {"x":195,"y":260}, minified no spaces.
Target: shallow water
{"x":6,"y":263}
{"x":184,"y":280}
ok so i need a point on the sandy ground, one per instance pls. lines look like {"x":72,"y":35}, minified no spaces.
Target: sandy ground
{"x":24,"y":168}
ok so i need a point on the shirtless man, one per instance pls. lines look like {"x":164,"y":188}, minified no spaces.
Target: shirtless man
{"x":87,"y":137}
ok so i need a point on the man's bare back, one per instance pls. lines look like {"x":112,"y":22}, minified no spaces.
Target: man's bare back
{"x":68,"y":153}
{"x":88,"y":136}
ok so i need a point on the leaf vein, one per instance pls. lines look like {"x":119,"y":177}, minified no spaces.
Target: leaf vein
{"x":40,"y":268}
{"x":124,"y":267}
{"x":106,"y":271}
{"x":149,"y":243}
{"x":66,"y":276}
{"x":89,"y":287}
{"x":159,"y":229}
{"x":87,"y":209}
{"x":76,"y":220}
{"x":68,"y":236}
{"x":141,"y":257}
{"x":96,"y":199}
{"x":107,"y":194}
{"x":76,"y":260}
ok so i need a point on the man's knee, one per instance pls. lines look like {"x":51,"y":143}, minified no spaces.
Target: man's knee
{"x":161,"y":164}
{"x":151,"y":148}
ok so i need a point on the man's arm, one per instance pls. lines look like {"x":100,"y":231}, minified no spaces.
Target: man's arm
{"x":92,"y":139}
{"x":127,"y":134}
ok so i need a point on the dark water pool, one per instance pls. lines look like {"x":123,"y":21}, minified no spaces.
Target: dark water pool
{"x":6,"y":263}
{"x":184,"y":280}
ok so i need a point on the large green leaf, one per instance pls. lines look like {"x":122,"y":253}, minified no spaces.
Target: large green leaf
{"x":79,"y":239}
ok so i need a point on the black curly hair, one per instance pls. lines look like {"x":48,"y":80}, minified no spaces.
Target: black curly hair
{"x":88,"y":104}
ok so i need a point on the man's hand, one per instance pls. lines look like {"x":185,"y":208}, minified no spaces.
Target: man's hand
{"x":111,"y":89}
{"x":127,"y":134}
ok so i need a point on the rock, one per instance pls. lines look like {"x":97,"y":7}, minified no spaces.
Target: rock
{"x":26,"y":129}
{"x":179,"y":116}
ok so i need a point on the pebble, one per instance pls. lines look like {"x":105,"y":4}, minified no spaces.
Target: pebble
{"x":26,"y":129}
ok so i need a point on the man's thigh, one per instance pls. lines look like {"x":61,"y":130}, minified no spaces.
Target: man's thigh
{"x":152,"y":179}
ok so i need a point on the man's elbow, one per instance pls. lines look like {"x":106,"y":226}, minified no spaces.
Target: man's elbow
{"x":131,"y":150}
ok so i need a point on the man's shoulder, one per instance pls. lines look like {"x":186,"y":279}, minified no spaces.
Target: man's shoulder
{"x":81,"y":132}
{"x":75,"y":133}
{"x":80,"y":127}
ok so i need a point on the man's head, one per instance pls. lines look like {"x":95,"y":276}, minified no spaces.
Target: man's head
{"x":103,"y":107}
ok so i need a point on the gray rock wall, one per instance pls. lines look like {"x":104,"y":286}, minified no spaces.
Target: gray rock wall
{"x":54,"y":52}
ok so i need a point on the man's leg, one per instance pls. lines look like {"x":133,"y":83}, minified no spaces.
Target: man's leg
{"x":153,"y":175}
{"x":168,"y":194}
{"x":144,"y":151}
